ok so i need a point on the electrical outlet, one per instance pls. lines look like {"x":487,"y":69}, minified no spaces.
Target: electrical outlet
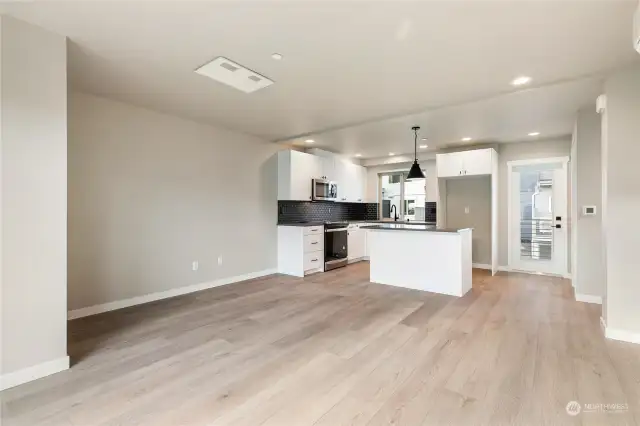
{"x":219,"y":260}
{"x":466,"y":210}
{"x":194,"y":265}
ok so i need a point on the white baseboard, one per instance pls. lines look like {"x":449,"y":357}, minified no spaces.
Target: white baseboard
{"x":622,"y":335}
{"x":481,"y":266}
{"x":139,"y":300}
{"x":519,"y":271}
{"x":32,"y":373}
{"x":587,"y":298}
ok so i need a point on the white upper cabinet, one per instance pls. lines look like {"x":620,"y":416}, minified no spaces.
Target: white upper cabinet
{"x":352,"y":183}
{"x":328,"y":168}
{"x":477,"y":162}
{"x":449,"y":165}
{"x":362,"y":185}
{"x":465,"y":163}
{"x":295,"y":171}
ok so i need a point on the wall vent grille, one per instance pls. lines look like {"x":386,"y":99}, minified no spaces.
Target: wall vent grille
{"x":235,"y":75}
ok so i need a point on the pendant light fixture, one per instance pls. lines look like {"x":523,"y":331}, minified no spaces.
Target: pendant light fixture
{"x":416,"y":171}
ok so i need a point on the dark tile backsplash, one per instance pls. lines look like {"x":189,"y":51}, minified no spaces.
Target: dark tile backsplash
{"x":430,"y":211}
{"x":325,"y":211}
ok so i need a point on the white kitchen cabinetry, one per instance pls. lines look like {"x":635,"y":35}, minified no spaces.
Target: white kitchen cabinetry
{"x":366,"y":239}
{"x":300,"y":250}
{"x":352,"y":182}
{"x":295,"y":171}
{"x":328,"y":168}
{"x":465,"y":163}
{"x":364,"y":175}
{"x":449,"y":165}
{"x":356,"y":240}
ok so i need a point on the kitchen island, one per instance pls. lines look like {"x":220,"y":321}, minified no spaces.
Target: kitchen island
{"x":421,"y":257}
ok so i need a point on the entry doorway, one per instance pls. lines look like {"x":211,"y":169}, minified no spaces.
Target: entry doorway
{"x":538,"y":222}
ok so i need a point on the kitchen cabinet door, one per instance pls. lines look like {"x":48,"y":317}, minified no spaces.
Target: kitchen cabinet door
{"x":366,"y":242}
{"x":449,"y":165}
{"x":476,"y":162}
{"x":355,"y":239}
{"x":342,"y":177}
{"x":328,"y":168}
{"x":359,"y":184}
{"x":295,"y":171}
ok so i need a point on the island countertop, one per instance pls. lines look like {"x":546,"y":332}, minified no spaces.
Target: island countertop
{"x":411,"y":227}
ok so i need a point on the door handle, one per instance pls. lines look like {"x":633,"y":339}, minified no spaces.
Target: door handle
{"x":315,"y":242}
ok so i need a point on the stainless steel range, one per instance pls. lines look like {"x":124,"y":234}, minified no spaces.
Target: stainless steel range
{"x":335,"y":245}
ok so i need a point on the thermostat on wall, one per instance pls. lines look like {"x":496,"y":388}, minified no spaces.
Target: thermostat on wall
{"x":588,"y":210}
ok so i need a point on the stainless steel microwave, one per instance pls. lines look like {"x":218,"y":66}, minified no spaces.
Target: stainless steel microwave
{"x":324,"y":190}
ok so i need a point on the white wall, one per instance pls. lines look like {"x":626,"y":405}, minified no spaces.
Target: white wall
{"x":149,"y":193}
{"x":474,"y":194}
{"x":622,"y":192}
{"x":33,"y":154}
{"x":588,"y":276}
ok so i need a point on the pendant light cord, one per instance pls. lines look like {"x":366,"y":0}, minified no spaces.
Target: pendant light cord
{"x":415,"y":144}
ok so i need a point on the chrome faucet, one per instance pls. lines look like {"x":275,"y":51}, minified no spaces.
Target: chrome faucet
{"x":395,"y":216}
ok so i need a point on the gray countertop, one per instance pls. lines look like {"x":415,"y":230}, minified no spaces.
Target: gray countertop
{"x":410,"y":227}
{"x":357,"y":221}
{"x":304,"y":224}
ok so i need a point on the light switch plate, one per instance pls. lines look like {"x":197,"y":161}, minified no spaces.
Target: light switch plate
{"x":588,"y":210}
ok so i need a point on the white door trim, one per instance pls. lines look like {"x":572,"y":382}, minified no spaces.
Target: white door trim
{"x":515,"y":163}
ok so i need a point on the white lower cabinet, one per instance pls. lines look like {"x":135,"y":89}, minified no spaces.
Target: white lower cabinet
{"x":366,"y":242}
{"x":312,"y":261}
{"x":300,"y":250}
{"x":356,"y":240}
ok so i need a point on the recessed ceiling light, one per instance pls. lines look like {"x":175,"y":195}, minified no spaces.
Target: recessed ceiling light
{"x":424,"y":139}
{"x":392,"y":154}
{"x":276,"y":56}
{"x":534,"y":133}
{"x":423,"y":146}
{"x":466,"y":139}
{"x":358,"y":155}
{"x":309,"y":141}
{"x":520,"y":81}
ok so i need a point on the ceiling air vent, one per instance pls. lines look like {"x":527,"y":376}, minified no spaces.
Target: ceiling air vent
{"x":235,"y":75}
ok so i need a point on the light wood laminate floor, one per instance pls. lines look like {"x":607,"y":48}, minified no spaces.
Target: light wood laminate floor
{"x":333,"y":349}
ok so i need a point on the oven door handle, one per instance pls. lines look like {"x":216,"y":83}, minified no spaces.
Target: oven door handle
{"x":335,"y":230}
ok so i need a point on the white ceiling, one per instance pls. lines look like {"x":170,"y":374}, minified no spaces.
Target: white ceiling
{"x":550,"y":111}
{"x":347,"y":63}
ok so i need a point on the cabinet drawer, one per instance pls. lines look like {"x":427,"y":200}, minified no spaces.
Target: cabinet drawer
{"x":313,"y":260}
{"x":313,"y":243}
{"x":313,"y":230}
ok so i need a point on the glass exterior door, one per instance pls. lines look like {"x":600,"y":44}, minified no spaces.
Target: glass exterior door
{"x":538,"y":202}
